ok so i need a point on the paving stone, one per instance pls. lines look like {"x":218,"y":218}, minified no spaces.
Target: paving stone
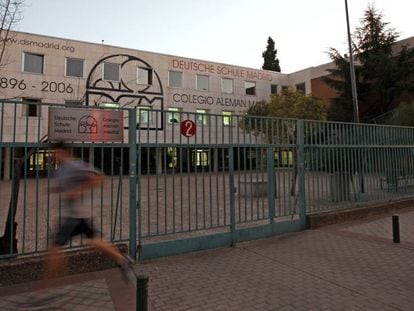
{"x":352,"y":266}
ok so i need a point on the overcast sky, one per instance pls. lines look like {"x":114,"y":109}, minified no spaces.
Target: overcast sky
{"x":227,"y":31}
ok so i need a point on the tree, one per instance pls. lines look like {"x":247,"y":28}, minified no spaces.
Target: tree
{"x":382,"y":74}
{"x":271,"y":62}
{"x":278,"y":129}
{"x":288,"y":104}
{"x":11,"y":13}
{"x":403,"y":115}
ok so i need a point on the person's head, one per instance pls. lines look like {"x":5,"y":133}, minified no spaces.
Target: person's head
{"x":63,"y":151}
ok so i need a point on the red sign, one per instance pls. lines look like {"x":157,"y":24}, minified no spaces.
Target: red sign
{"x":188,"y":128}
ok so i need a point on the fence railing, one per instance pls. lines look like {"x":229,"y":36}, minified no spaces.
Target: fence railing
{"x":234,"y":172}
{"x":353,"y":164}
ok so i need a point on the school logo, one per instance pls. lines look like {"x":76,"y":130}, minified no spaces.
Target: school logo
{"x":129,"y":82}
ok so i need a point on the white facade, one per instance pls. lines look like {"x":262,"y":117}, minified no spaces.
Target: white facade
{"x":56,"y":52}
{"x":55,"y":70}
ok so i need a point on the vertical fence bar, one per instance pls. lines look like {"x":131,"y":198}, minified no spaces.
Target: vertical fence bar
{"x":231,"y":189}
{"x":271,"y":182}
{"x":132,"y":141}
{"x":301,"y":173}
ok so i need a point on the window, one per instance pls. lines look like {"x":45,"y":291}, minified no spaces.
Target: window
{"x":31,"y":108}
{"x":284,"y":87}
{"x":273,"y":89}
{"x":202,"y":116}
{"x":109,"y":105}
{"x":175,"y":78}
{"x":73,"y":102}
{"x":202,"y":82}
{"x":74,"y":67}
{"x":227,"y":85}
{"x":111,"y":72}
{"x":145,"y":115}
{"x":301,"y":87}
{"x":173,"y":115}
{"x":227,"y":118}
{"x":250,"y":87}
{"x":33,"y":63}
{"x":144,"y":76}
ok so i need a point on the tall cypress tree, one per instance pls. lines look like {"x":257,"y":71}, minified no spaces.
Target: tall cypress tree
{"x":271,"y":62}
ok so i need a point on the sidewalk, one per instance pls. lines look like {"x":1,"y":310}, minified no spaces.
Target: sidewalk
{"x":352,"y":266}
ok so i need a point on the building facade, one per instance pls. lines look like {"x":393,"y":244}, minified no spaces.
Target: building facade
{"x":55,"y":70}
{"x":163,"y":88}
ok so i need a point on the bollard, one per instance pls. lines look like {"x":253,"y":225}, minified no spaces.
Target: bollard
{"x":396,"y":228}
{"x":142,"y":293}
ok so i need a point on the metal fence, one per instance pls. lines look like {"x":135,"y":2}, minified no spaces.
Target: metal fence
{"x":349,"y":165}
{"x":237,"y":178}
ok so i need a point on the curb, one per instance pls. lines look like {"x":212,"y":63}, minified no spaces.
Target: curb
{"x":26,"y":269}
{"x":356,"y":213}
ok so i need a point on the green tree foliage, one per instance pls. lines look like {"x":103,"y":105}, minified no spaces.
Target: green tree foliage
{"x":382,"y":73}
{"x":271,"y":62}
{"x":288,"y":104}
{"x":404,"y":115}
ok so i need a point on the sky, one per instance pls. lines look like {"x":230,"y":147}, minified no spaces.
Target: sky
{"x":226,"y":31}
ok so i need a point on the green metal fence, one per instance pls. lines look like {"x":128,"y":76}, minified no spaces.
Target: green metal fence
{"x":29,"y":211}
{"x":350,"y":165}
{"x":167,"y":191}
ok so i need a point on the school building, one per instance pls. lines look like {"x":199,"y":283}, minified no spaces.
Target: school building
{"x":42,"y":69}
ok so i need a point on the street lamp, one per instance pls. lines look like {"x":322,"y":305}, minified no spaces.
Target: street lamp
{"x":352,"y":69}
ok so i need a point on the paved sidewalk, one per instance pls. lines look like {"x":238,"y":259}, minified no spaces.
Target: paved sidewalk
{"x":352,"y":266}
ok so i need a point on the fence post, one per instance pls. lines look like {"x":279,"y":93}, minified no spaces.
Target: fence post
{"x":132,"y":144}
{"x":300,"y":141}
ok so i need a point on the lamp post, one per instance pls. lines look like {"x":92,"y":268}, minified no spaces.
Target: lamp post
{"x":352,"y":69}
{"x":354,"y":90}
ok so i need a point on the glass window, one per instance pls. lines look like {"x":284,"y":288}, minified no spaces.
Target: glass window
{"x":202,"y":116}
{"x":31,"y":108}
{"x":273,"y":89}
{"x":111,"y":72}
{"x":175,"y":78}
{"x":109,"y":105}
{"x":33,"y":63}
{"x":227,"y":85}
{"x":301,"y":87}
{"x":173,"y":115}
{"x":227,"y":118}
{"x":145,"y":115}
{"x":74,"y":67}
{"x":202,"y":82}
{"x":73,"y":102}
{"x":250,"y":87}
{"x":144,"y":76}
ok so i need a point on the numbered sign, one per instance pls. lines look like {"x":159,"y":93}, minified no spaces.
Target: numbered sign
{"x":188,"y":128}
